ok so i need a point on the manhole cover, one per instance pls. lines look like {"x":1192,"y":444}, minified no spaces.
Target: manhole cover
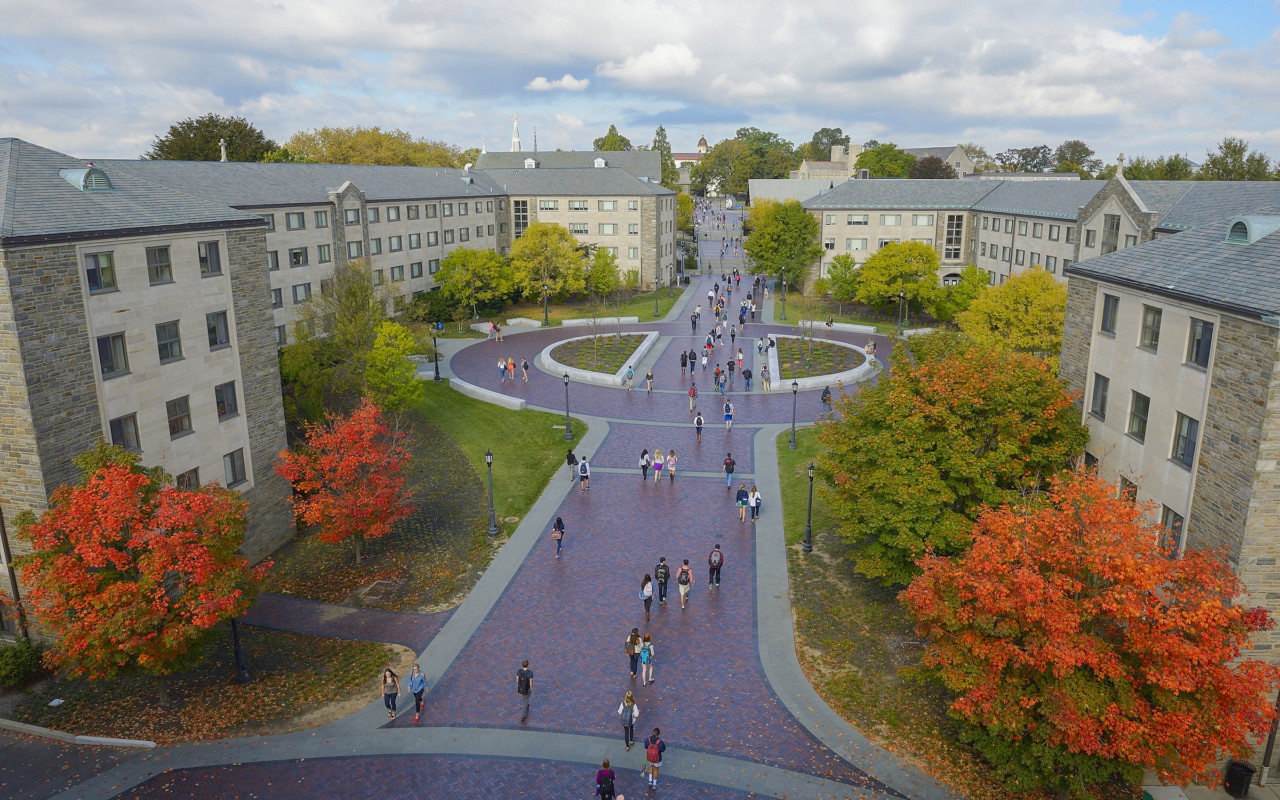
{"x":511,"y":519}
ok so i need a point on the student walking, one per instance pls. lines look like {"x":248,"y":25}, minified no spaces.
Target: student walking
{"x":715,"y":560}
{"x":417,"y":685}
{"x":630,"y":376}
{"x":511,"y":369}
{"x":605,"y":779}
{"x":693,"y":359}
{"x":704,"y":360}
{"x":648,"y":382}
{"x":390,"y":691}
{"x":524,"y":687}
{"x":654,"y":747}
{"x":658,"y":466}
{"x":502,"y":370}
{"x":662,"y":574}
{"x":693,"y":391}
{"x":728,"y":415}
{"x":742,"y":497}
{"x":629,"y":713}
{"x":645,"y":463}
{"x":646,"y":661}
{"x":524,"y":368}
{"x":646,"y":594}
{"x":727,"y":468}
{"x":731,"y":367}
{"x":572,"y":461}
{"x":684,"y":580}
{"x":671,"y":467}
{"x":697,"y":424}
{"x":557,"y":534}
{"x":631,"y":646}
{"x":753,"y":502}
{"x":764,"y":377}
{"x":584,"y":475}
{"x":684,"y":362}
{"x":746,"y":378}
{"x":739,"y":358}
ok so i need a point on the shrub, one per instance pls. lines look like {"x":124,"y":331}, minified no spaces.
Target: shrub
{"x":632,"y":279}
{"x":19,"y":663}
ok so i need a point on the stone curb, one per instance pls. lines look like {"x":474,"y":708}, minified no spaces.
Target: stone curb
{"x":582,"y":322}
{"x":524,"y":322}
{"x":550,"y":365}
{"x":847,"y":327}
{"x":917,"y":331}
{"x":471,"y":390}
{"x":860,"y":372}
{"x":70,"y":738}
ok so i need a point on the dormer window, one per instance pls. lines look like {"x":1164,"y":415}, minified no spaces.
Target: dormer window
{"x":1250,"y":228}
{"x":91,"y":179}
{"x":600,"y":163}
{"x":530,"y":163}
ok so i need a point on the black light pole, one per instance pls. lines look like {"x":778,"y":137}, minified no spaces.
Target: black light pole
{"x":435,"y":351}
{"x":242,"y":669}
{"x":808,"y":520}
{"x":902,"y":300}
{"x":784,"y":297}
{"x":546,"y":290}
{"x":568,"y":433}
{"x":657,"y":270}
{"x":795,"y":389}
{"x":493,"y":519}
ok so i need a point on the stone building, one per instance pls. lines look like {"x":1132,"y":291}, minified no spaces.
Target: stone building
{"x":140,"y":315}
{"x":1174,"y":349}
{"x":1019,"y":225}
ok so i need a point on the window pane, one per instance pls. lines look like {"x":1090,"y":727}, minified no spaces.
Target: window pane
{"x":124,"y":432}
{"x":210,"y":261}
{"x":216,"y":324}
{"x":1201,"y":340}
{"x":179,"y":412}
{"x":1150,"y":327}
{"x":168,"y":341}
{"x":1101,"y":385}
{"x":225,"y":398}
{"x":159,"y":269}
{"x":1139,"y":408}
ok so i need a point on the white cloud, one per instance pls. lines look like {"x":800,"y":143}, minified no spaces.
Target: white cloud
{"x":569,"y":121}
{"x":652,"y":68}
{"x":568,"y":83}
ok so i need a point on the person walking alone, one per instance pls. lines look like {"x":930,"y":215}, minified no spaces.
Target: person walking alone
{"x":727,"y":468}
{"x":629,"y":712}
{"x":572,"y":461}
{"x":584,"y":475}
{"x":671,"y":467}
{"x":684,"y":580}
{"x":728,"y":415}
{"x":764,"y":377}
{"x":684,"y":362}
{"x":662,"y":574}
{"x":646,"y":594}
{"x":557,"y":534}
{"x":605,"y":780}
{"x":630,"y":376}
{"x":524,"y":687}
{"x":648,"y":382}
{"x":390,"y":691}
{"x":697,"y":425}
{"x":654,"y":747}
{"x":631,"y":646}
{"x":417,"y":685}
{"x":715,"y":560}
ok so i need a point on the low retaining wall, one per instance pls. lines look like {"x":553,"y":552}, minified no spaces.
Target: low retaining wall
{"x":917,"y":331}
{"x":70,"y":738}
{"x":524,"y":322}
{"x":847,"y":327}
{"x":488,"y":396}
{"x":585,"y":321}
{"x":858,"y":373}
{"x":549,"y":364}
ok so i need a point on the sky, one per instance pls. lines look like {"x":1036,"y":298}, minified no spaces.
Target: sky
{"x":102,"y":78}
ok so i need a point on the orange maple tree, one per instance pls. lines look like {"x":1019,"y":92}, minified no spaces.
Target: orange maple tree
{"x":1079,"y":651}
{"x":348,"y":477}
{"x":128,"y":571}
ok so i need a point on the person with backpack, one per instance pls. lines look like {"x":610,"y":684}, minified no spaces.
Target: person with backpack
{"x":646,"y":661}
{"x":684,"y":580}
{"x":645,"y":463}
{"x":557,"y":534}
{"x":742,"y":498}
{"x":605,"y":779}
{"x":629,"y":712}
{"x":572,"y":461}
{"x":693,"y":392}
{"x":684,"y":362}
{"x":764,"y":377}
{"x":753,"y":502}
{"x":746,"y":378}
{"x":697,"y":426}
{"x":584,"y":475}
{"x":728,"y":414}
{"x":662,"y":574}
{"x":631,"y":646}
{"x":524,"y":368}
{"x":646,"y":596}
{"x":715,"y":560}
{"x":730,"y":368}
{"x":524,"y":687}
{"x":654,"y":747}
{"x":727,"y":469}
{"x":693,"y":359}
{"x":631,"y":374}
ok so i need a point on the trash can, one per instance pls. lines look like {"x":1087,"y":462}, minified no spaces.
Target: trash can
{"x":1239,"y":776}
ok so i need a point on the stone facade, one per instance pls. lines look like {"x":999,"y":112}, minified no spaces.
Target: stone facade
{"x":270,"y":516}
{"x":1073,"y":363}
{"x":1117,"y":195}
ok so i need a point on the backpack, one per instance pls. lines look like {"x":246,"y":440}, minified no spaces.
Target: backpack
{"x":661,"y":573}
{"x":693,"y":392}
{"x":682,"y":577}
{"x":605,"y":789}
{"x":653,"y":753}
{"x":522,"y":684}
{"x":582,"y":468}
{"x":729,"y":462}
{"x":715,"y":558}
{"x":728,"y":408}
{"x":646,"y":654}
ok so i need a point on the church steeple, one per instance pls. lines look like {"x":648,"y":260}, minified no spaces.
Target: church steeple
{"x":515,"y":133}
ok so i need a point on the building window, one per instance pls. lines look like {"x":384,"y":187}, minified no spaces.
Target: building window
{"x":393,"y":213}
{"x":273,"y":260}
{"x":1184,"y":440}
{"x":955,"y":236}
{"x":1200,"y":341}
{"x":277,"y":298}
{"x":1051,"y":263}
{"x":1007,"y":253}
{"x":372,"y":213}
{"x":351,"y":216}
{"x":982,"y":249}
{"x":488,"y":206}
{"x":224,"y":397}
{"x":920,"y":220}
{"x":168,"y":342}
{"x":830,"y":219}
{"x":462,"y":209}
{"x":1055,"y":232}
{"x":480,"y":207}
{"x":464,"y":234}
{"x":890,"y":219}
{"x":1022,"y":227}
{"x":355,"y":249}
{"x":633,"y":253}
{"x":1035,"y":259}
{"x":433,"y":266}
{"x":282,"y":337}
{"x":577,"y":205}
{"x":1128,"y":490}
{"x":1008,"y":226}
{"x":394,"y":244}
{"x":375,"y":247}
{"x":100,"y":271}
{"x":855,"y":244}
{"x":490,"y":229}
{"x":446,"y":209}
{"x":411,"y":212}
{"x":219,"y":331}
{"x":579,"y":228}
{"x":1071,"y":234}
{"x":233,"y":467}
{"x":633,"y":229}
{"x":884,"y":242}
{"x":608,"y":205}
{"x":378,"y":279}
{"x":608,"y":229}
{"x":295,"y":221}
{"x":1150,"y":328}
{"x":502,"y":227}
{"x":415,"y":241}
{"x":124,"y":432}
{"x":323,"y":253}
{"x":1130,"y":240}
{"x":301,"y":292}
{"x":985,"y":220}
{"x":520,"y":215}
{"x":415,"y":269}
{"x":829,"y":244}
{"x":633,"y":205}
{"x":548,"y":205}
{"x":1066,"y":262}
{"x":1037,"y":230}
{"x":270,"y":219}
{"x":179,"y":412}
{"x":430,"y":210}
{"x":448,"y":236}
{"x":1101,"y":385}
{"x":433,"y":238}
{"x":1110,"y":233}
{"x":397,"y":274}
{"x":322,"y":219}
{"x":1172,"y":520}
{"x":298,"y":257}
{"x":187,"y":481}
{"x":1019,"y":257}
{"x":1139,"y":407}
{"x":1110,"y":311}
{"x":479,"y":231}
{"x":210,"y":261}
{"x":1090,"y":237}
{"x":856,"y":219}
{"x":159,"y":270}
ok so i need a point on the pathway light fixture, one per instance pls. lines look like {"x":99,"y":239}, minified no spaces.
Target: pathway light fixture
{"x":493,"y":518}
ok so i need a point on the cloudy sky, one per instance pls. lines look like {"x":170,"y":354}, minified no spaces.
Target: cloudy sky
{"x":103,"y":77}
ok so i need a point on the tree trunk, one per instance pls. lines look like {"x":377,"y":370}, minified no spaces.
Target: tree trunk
{"x":162,"y":690}
{"x":359,"y":549}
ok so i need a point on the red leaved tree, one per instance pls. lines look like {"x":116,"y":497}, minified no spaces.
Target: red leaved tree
{"x":129,"y":572}
{"x":1079,"y":652}
{"x":348,"y":478}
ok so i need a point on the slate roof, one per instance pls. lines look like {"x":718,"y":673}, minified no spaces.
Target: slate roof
{"x":1198,"y":265}
{"x":1055,"y":199}
{"x":924,"y":152}
{"x":1190,"y":204}
{"x":252,"y":185}
{"x":784,"y":189}
{"x":38,"y":205}
{"x":641,"y":163}
{"x":591,"y":182}
{"x":907,"y":194}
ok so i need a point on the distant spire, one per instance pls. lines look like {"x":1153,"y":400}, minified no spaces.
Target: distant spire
{"x":535,"y":140}
{"x":482,"y":148}
{"x":515,"y":133}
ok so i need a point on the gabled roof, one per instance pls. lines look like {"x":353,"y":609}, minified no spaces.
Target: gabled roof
{"x":252,"y":185}
{"x":590,"y":182}
{"x":784,"y":189}
{"x":641,"y":163}
{"x":1055,"y":199}
{"x":1190,"y":204}
{"x":906,"y":194}
{"x":38,"y":205}
{"x":924,"y":152}
{"x":1198,"y":265}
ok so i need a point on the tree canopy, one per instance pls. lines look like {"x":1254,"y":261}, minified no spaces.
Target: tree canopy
{"x":842,"y":279}
{"x":948,"y":301}
{"x":752,"y":153}
{"x":910,"y":267}
{"x":1233,"y":161}
{"x":1073,"y":155}
{"x":914,"y":457}
{"x":886,"y":161}
{"x":196,"y":139}
{"x":684,"y":213}
{"x":391,"y":374}
{"x":1161,"y":168}
{"x":612,"y":140}
{"x":661,"y":146}
{"x":783,"y":240}
{"x":471,"y":277}
{"x":363,"y":145}
{"x":982,"y":160}
{"x":602,"y":273}
{"x":1025,"y":159}
{"x":547,"y":253}
{"x":933,"y":168}
{"x":819,"y":147}
{"x":1025,"y":313}
{"x":1078,"y":651}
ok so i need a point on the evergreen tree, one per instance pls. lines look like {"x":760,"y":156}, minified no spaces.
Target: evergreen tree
{"x":670,"y":174}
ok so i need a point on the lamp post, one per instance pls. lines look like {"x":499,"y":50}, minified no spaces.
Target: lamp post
{"x":493,"y":519}
{"x":657,"y":274}
{"x":242,"y":669}
{"x":568,"y":433}
{"x":784,"y":297}
{"x":546,"y":291}
{"x":902,"y":301}
{"x":795,"y":391}
{"x":808,"y":520}
{"x":435,"y":351}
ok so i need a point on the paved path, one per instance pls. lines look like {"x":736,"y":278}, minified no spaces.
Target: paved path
{"x":734,"y":707}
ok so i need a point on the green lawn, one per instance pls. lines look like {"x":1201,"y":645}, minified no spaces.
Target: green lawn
{"x":801,"y":307}
{"x":637,"y":304}
{"x":527,"y":447}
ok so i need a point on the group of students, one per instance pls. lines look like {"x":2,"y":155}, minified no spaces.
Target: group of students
{"x":657,"y":462}
{"x":507,"y":369}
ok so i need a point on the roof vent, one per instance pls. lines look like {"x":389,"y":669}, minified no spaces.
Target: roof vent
{"x":530,"y":163}
{"x":600,"y":163}
{"x":1252,"y":227}
{"x":90,"y":179}
{"x":468,"y":179}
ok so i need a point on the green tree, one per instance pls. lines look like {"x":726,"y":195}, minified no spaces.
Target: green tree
{"x":548,"y":254}
{"x":197,"y":140}
{"x":393,"y":378}
{"x":727,"y":168}
{"x":670,"y":173}
{"x":471,"y":277}
{"x":684,"y":213}
{"x":1025,"y":313}
{"x":602,"y":275}
{"x":1074,"y":154}
{"x":612,"y":141}
{"x":362,"y":145}
{"x":982,"y":161}
{"x":951,"y":300}
{"x":910,"y":267}
{"x":282,"y":155}
{"x":843,"y":275}
{"x":1025,"y":159}
{"x":1163,"y":168}
{"x":1234,"y":162}
{"x":954,"y":427}
{"x":818,"y":148}
{"x":886,"y":161}
{"x":784,"y":240}
{"x":932,"y":168}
